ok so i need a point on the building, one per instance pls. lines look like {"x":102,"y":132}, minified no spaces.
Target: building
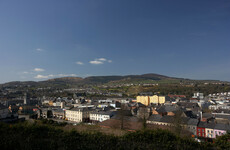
{"x":220,"y":129}
{"x":143,"y":99}
{"x":209,"y":130}
{"x":78,"y":114}
{"x":192,"y":125}
{"x":155,"y":99}
{"x":99,"y":116}
{"x":169,"y":110}
{"x":198,"y":95}
{"x":58,"y":113}
{"x":200,"y":132}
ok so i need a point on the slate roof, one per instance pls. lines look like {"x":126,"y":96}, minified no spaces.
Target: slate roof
{"x":202,"y":124}
{"x":222,"y":116}
{"x":207,"y":115}
{"x":102,"y":112}
{"x":167,"y":119}
{"x":222,"y":127}
{"x":188,"y":104}
{"x":192,"y":122}
{"x":166,"y":108}
{"x":79,"y":109}
{"x":156,"y":118}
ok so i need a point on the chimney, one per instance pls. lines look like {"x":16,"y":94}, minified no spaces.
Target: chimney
{"x":201,"y":116}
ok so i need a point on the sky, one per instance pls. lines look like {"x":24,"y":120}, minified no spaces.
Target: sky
{"x":42,"y":39}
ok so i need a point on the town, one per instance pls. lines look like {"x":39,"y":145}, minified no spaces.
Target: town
{"x":202,"y":117}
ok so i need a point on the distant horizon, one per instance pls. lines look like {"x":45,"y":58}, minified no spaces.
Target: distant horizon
{"x":40,"y":40}
{"x":110,"y":75}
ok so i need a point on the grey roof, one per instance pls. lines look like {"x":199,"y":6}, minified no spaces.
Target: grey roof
{"x":58,"y":110}
{"x":207,"y":115}
{"x":167,"y":119}
{"x":210,"y":125}
{"x":79,"y":109}
{"x":222,"y":127}
{"x":167,"y":108}
{"x":188,"y":104}
{"x":201,"y":124}
{"x":192,"y":122}
{"x":222,"y":116}
{"x":155,"y":118}
{"x":103,"y":112}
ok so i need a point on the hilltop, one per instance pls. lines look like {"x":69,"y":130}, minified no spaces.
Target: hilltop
{"x":150,"y":78}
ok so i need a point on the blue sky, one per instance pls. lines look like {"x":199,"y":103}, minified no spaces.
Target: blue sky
{"x":54,"y":38}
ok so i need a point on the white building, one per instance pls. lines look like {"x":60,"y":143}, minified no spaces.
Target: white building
{"x":99,"y":116}
{"x":198,"y":95}
{"x":78,"y":114}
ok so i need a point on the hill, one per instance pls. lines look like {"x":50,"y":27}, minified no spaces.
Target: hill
{"x":99,"y":80}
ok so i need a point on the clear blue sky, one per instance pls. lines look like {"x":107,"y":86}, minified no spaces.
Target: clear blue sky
{"x":42,"y":39}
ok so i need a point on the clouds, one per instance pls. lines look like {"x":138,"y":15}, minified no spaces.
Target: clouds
{"x":79,"y":63}
{"x":99,"y":61}
{"x":38,"y":70}
{"x":96,"y":61}
{"x":39,"y":49}
{"x":39,"y":76}
{"x":43,"y":76}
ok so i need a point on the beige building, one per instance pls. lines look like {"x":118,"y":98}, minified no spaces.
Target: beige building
{"x":143,"y":99}
{"x":78,"y":114}
{"x":155,"y":99}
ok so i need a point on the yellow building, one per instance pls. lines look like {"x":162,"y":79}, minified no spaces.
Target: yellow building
{"x":143,"y":99}
{"x":155,"y":99}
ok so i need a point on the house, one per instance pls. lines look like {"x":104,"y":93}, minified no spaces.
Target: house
{"x":192,"y":125}
{"x":161,"y":120}
{"x":200,"y":132}
{"x":220,"y":129}
{"x":154,"y":119}
{"x":78,"y":114}
{"x":99,"y":116}
{"x":209,"y":130}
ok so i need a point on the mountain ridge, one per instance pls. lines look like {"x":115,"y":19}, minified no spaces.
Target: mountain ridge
{"x":149,"y":77}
